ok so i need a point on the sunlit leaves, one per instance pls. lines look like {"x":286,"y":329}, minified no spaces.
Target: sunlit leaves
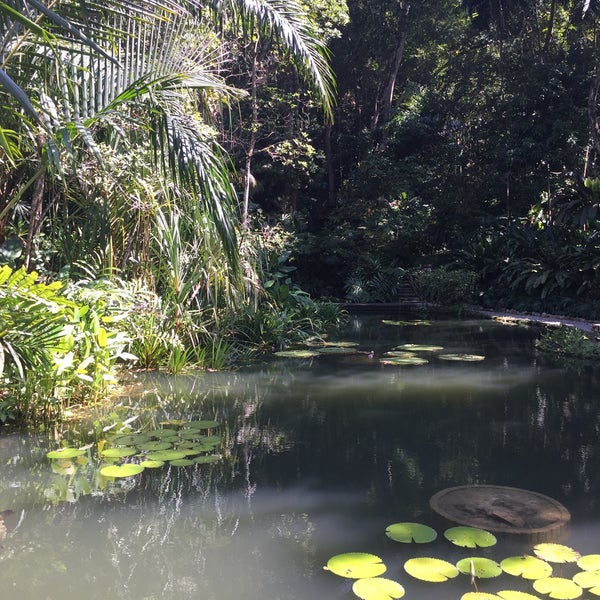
{"x":356,"y":565}
{"x":411,"y":532}
{"x":589,"y":562}
{"x":118,"y":471}
{"x":528,"y":567}
{"x":476,"y":566}
{"x":556,"y":553}
{"x":559,"y":588}
{"x":470,"y":537}
{"x":434,"y":570}
{"x":377,"y":588}
{"x":65,"y":453}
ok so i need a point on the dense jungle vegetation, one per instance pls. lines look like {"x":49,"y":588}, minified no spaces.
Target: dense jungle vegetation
{"x":186,"y":183}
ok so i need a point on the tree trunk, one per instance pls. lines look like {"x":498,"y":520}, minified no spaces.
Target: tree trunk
{"x":248,"y":178}
{"x":383,"y":111}
{"x":593,"y":111}
{"x":37,"y":203}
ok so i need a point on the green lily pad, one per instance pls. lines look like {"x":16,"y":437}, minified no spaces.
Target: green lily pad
{"x":162,"y":433}
{"x":296,"y":353}
{"x":128,"y":439}
{"x":462,"y":357}
{"x":356,"y":565}
{"x":558,"y":587}
{"x":589,"y":562}
{"x":479,"y":596}
{"x":154,"y":446}
{"x":399,"y":354}
{"x":65,"y":453}
{"x":210,"y":440}
{"x":152,"y":464}
{"x":589,"y":580}
{"x":514,"y":595}
{"x":377,"y":588}
{"x":399,"y":360}
{"x":118,"y":452}
{"x":419,"y":348}
{"x":201,"y":425}
{"x":191,"y":434}
{"x":205,"y":460}
{"x":127,"y":470}
{"x":476,"y":566}
{"x":165,"y":455}
{"x":470,"y":537}
{"x":336,"y":350}
{"x":528,"y":567}
{"x":181,"y":462}
{"x":556,"y":553}
{"x":434,"y":570}
{"x":341,"y":344}
{"x":405,"y":323}
{"x":411,"y":532}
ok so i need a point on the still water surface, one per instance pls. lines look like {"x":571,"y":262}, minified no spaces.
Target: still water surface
{"x":319,"y":457}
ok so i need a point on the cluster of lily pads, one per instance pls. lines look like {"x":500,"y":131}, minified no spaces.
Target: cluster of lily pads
{"x":177,"y":443}
{"x":537,"y":567}
{"x":402,"y":355}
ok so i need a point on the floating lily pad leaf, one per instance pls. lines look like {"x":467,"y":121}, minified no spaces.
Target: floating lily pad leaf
{"x":589,"y":580}
{"x":470,"y":537}
{"x":118,"y":452}
{"x":336,"y":350}
{"x":152,"y":464}
{"x":191,"y":434}
{"x":482,"y":568}
{"x":399,"y":354}
{"x":399,"y":360}
{"x":377,"y":588}
{"x":201,"y":425}
{"x":156,"y":445}
{"x":411,"y":532}
{"x":197,"y":449}
{"x":166,"y":455}
{"x":162,"y":433}
{"x":128,"y":439}
{"x":65,"y":453}
{"x":296,"y":353}
{"x":173,"y":422}
{"x":528,"y":567}
{"x":127,"y":470}
{"x":356,"y":565}
{"x":341,"y":344}
{"x":556,"y":553}
{"x":210,"y":440}
{"x":462,"y":357}
{"x":181,"y":462}
{"x":514,"y":595}
{"x":403,"y":323}
{"x":419,"y":348}
{"x":434,"y":570}
{"x":479,"y":596}
{"x":205,"y":460}
{"x":589,"y":562}
{"x":558,"y":587}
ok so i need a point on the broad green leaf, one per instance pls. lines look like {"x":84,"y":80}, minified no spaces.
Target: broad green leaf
{"x":201,"y":425}
{"x":589,"y":562}
{"x":356,"y":565}
{"x":419,"y":348}
{"x":558,"y":587}
{"x":181,"y":462}
{"x":556,"y":553}
{"x":479,"y":596}
{"x":336,"y":350}
{"x":152,"y":464}
{"x":296,"y":353}
{"x":430,"y":569}
{"x":411,"y":532}
{"x":589,"y":580}
{"x":162,"y":433}
{"x":128,"y":439}
{"x":462,"y":357}
{"x":403,"y":323}
{"x":118,"y":452}
{"x":377,"y":588}
{"x":154,"y":446}
{"x":165,"y":455}
{"x":528,"y":567}
{"x":470,"y":537}
{"x":514,"y":595}
{"x":127,"y":470}
{"x":400,"y":360}
{"x":476,"y":566}
{"x":205,"y":460}
{"x":65,"y":453}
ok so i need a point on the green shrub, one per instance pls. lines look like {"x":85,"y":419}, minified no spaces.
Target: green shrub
{"x":442,"y":286}
{"x":568,"y":341}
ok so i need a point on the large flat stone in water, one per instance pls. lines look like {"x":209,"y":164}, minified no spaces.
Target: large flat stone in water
{"x":501,"y":509}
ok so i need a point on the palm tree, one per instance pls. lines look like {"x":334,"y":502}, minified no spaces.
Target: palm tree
{"x":131,"y":72}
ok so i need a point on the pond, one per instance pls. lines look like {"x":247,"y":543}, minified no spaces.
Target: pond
{"x":316,"y":457}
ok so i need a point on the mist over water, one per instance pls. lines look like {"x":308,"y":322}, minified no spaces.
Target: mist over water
{"x":319,"y":456}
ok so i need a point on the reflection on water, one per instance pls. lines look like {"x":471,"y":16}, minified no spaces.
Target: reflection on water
{"x":319,"y":457}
